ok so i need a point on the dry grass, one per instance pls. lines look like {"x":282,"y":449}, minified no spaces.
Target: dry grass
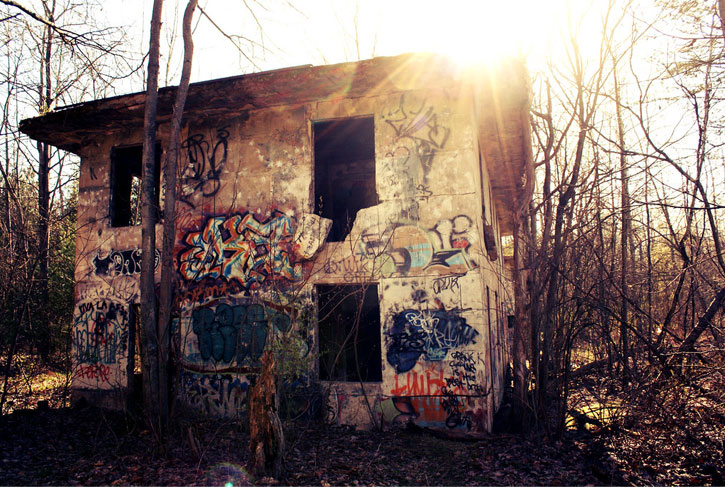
{"x":30,"y":383}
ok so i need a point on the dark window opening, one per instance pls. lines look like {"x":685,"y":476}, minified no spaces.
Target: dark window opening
{"x":349,"y":331}
{"x":344,"y":172}
{"x":126,"y":169}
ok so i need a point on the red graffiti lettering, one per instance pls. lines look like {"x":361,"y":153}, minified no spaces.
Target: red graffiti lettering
{"x":99,"y":372}
{"x":418,"y":384}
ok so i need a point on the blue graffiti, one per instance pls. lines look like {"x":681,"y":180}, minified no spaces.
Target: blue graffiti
{"x":239,"y":331}
{"x":429,"y":333}
{"x":100,"y":332}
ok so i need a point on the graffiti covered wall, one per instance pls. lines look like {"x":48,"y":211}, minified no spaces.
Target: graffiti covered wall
{"x":423,"y":245}
{"x":249,"y":252}
{"x":100,"y":343}
{"x":241,"y":292}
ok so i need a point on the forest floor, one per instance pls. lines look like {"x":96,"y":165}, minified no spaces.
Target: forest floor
{"x":90,"y":446}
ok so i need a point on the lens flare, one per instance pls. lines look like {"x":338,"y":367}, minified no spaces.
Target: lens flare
{"x":228,"y":475}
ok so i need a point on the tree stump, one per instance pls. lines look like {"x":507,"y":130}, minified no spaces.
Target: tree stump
{"x":266,"y":439}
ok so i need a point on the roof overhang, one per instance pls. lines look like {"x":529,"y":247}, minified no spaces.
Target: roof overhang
{"x":502,"y":100}
{"x":501,"y":96}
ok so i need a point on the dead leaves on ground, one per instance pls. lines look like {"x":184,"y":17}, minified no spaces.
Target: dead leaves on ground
{"x":93,"y":447}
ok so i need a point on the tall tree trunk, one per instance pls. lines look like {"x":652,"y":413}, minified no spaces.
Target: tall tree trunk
{"x":166,"y":292}
{"x":148,"y":233}
{"x":43,"y":204}
{"x":521,"y":328}
{"x":45,"y":94}
{"x":625,"y":237}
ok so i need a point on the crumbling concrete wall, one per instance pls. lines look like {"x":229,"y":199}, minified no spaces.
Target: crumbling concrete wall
{"x":443,"y":337}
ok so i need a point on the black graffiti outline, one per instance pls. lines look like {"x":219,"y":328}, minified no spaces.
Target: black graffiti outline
{"x":408,"y":122}
{"x":444,"y":283}
{"x":121,"y":262}
{"x":205,"y":165}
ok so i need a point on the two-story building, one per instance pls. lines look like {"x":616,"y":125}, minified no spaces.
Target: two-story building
{"x":348,"y":217}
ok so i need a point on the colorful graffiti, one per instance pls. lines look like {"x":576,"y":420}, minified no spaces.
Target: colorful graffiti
{"x":240,"y":247}
{"x":205,"y":165}
{"x":217,"y":394}
{"x":225,"y":332}
{"x":432,"y":381}
{"x":428,"y":333}
{"x":100,"y":332}
{"x":195,"y":293}
{"x":121,"y":262}
{"x":405,"y":248}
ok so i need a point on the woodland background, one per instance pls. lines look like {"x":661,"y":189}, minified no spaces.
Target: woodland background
{"x":620,"y":250}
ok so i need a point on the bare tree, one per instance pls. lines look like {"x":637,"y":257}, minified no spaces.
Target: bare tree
{"x":148,"y":234}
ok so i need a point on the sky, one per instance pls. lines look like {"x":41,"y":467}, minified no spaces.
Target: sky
{"x":297,"y":32}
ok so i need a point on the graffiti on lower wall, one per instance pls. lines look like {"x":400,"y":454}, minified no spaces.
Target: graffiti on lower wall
{"x":229,"y":334}
{"x":215,"y":394}
{"x":462,"y":381}
{"x":426,"y":333}
{"x":429,"y":411}
{"x":447,"y":391}
{"x":93,"y":372}
{"x":100,"y":341}
{"x":121,"y":262}
{"x":225,"y":332}
{"x":240,"y":247}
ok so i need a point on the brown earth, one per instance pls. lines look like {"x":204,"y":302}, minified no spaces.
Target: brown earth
{"x":673,"y":443}
{"x":94,"y":447}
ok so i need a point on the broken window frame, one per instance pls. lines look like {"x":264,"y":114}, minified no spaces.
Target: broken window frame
{"x":340,"y":145}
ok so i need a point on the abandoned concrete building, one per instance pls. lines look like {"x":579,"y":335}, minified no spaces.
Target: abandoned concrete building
{"x":348,"y":217}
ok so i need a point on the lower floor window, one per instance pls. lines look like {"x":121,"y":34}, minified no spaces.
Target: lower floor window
{"x":349,"y":331}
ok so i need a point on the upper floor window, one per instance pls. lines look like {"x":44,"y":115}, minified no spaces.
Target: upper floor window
{"x":126,"y":169}
{"x":344,"y":171}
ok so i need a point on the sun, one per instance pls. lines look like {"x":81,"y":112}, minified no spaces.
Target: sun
{"x":468,"y":31}
{"x":484,"y":31}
